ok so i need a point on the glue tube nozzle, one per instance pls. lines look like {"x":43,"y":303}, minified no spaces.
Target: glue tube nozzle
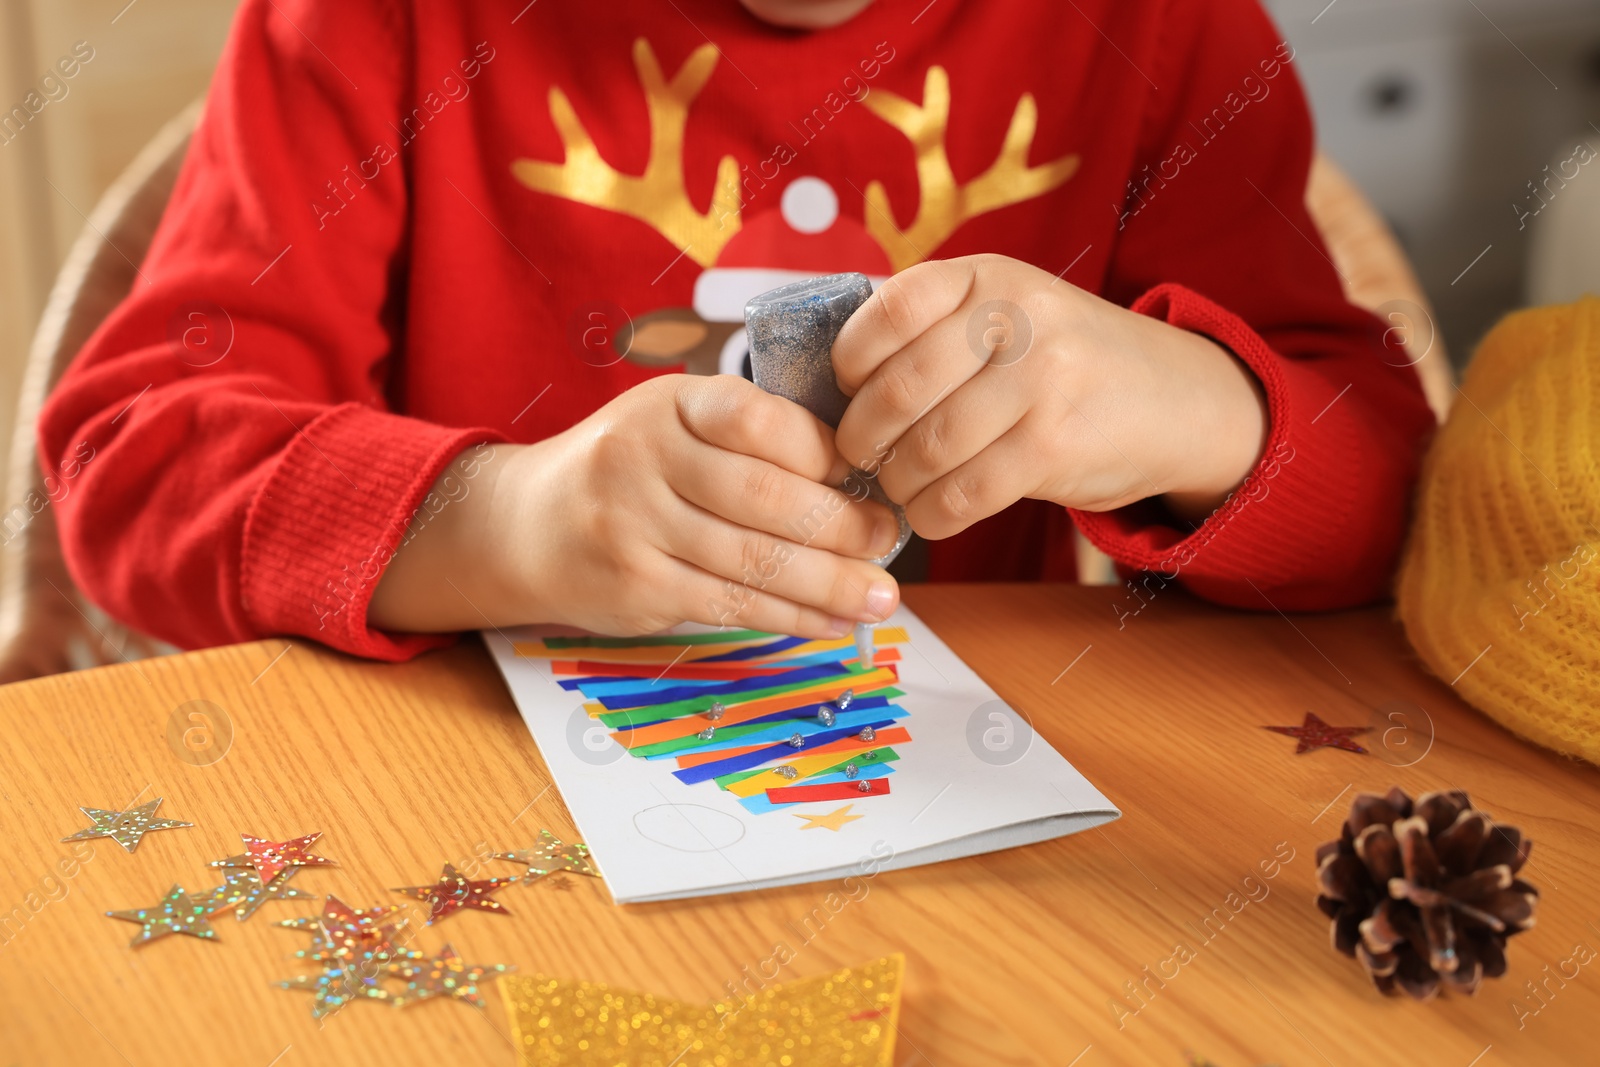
{"x":864,"y":650}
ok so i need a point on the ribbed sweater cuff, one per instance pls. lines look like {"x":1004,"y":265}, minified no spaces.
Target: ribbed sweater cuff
{"x":1268,"y":539}
{"x":325,"y":525}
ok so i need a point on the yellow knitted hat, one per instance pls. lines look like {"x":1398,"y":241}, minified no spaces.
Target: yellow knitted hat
{"x":1500,"y":585}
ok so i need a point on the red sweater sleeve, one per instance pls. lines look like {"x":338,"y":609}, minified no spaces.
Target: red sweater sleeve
{"x":247,"y":478}
{"x":1216,"y":239}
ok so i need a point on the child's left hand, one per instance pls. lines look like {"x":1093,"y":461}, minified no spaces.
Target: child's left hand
{"x":979,"y":381}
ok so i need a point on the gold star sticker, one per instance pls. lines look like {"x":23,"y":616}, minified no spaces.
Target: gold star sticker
{"x":444,"y":975}
{"x":834,"y":820}
{"x":270,"y":857}
{"x":178,"y":913}
{"x":551,"y":854}
{"x":126,"y":828}
{"x":243,"y":890}
{"x":454,"y":891}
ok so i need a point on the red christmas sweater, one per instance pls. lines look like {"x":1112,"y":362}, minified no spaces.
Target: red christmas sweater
{"x":408,"y":227}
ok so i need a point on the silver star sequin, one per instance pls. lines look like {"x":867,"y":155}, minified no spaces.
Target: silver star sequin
{"x":126,"y":828}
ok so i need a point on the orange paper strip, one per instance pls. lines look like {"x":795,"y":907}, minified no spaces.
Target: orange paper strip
{"x":891,"y":736}
{"x":754,"y":709}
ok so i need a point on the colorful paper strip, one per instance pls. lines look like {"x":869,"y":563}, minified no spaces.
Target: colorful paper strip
{"x":803,"y":794}
{"x":893,"y":736}
{"x":736,"y":712}
{"x":707,"y":771}
{"x":771,"y":693}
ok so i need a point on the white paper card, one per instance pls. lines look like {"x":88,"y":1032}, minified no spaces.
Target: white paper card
{"x":974,"y":778}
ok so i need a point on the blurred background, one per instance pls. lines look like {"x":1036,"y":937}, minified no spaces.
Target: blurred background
{"x":150,"y":58}
{"x":1445,"y":112}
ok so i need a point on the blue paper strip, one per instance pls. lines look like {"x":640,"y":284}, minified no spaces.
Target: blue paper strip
{"x":676,"y":692}
{"x":782,"y":731}
{"x":757,"y":651}
{"x":602,"y":684}
{"x":706,"y":771}
{"x":806,"y":713}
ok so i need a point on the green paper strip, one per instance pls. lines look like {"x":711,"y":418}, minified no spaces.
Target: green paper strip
{"x":628,"y":719}
{"x":727,"y":637}
{"x":885,"y":755}
{"x":691,"y":742}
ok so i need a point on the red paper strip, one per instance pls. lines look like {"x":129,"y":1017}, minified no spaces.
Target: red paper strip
{"x":801,"y":794}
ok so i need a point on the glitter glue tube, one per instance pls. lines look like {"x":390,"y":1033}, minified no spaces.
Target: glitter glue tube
{"x":791,"y":331}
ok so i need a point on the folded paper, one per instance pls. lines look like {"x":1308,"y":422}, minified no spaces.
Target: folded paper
{"x":677,"y":753}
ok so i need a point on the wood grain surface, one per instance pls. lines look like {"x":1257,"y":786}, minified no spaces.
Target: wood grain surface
{"x":1033,"y":956}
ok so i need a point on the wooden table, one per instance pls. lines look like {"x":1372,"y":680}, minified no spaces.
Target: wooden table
{"x":1024,"y":957}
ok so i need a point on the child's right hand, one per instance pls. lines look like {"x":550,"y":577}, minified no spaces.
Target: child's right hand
{"x":685,"y":498}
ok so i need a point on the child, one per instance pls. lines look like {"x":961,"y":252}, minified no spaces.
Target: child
{"x":394,"y":365}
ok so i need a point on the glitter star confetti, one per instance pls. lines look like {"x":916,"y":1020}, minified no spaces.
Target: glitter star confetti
{"x":552,"y":854}
{"x":343,"y":931}
{"x":845,"y":1019}
{"x":355,"y":951}
{"x":1315,"y":734}
{"x":444,"y":975}
{"x":560,"y":883}
{"x":178,"y":913}
{"x":243,"y":891}
{"x":833,"y":820}
{"x":454,"y":892}
{"x":270,"y":857}
{"x":126,"y":828}
{"x":339,"y":983}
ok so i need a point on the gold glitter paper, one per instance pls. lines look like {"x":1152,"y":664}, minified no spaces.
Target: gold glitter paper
{"x":444,"y":975}
{"x":845,"y":1019}
{"x":178,"y":913}
{"x":270,"y":857}
{"x":243,"y":891}
{"x":454,"y":892}
{"x":126,"y":828}
{"x":551,"y":854}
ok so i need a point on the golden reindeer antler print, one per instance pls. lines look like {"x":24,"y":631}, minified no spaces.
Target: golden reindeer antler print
{"x":657,"y":196}
{"x":945,"y":205}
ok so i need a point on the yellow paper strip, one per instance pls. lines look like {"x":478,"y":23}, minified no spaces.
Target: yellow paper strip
{"x":806,"y":765}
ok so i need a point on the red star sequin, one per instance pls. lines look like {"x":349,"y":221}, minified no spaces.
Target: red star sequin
{"x":1314,"y":733}
{"x":454,"y":891}
{"x":269,"y":858}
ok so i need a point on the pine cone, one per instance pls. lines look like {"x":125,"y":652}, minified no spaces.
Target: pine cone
{"x":1425,"y":893}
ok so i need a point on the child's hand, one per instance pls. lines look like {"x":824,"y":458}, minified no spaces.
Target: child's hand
{"x":685,"y":498}
{"x":993,"y":381}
